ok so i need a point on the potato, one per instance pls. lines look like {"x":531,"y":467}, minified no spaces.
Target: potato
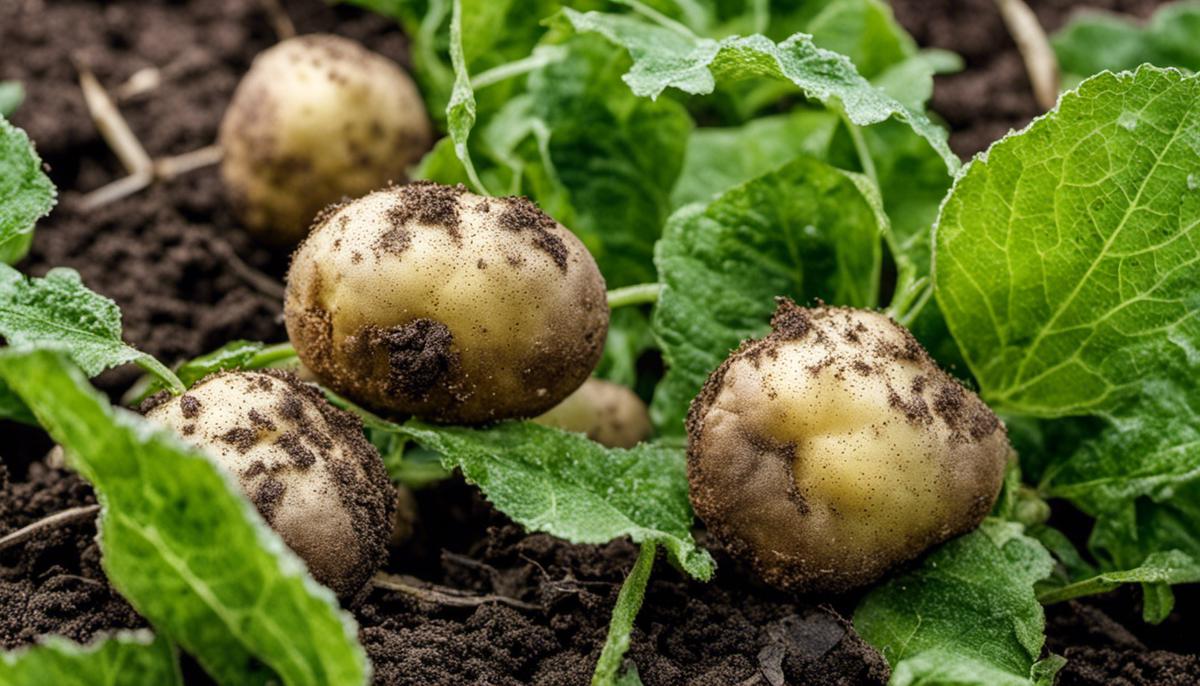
{"x":317,"y":118}
{"x":306,"y":466}
{"x":607,"y":413}
{"x":835,"y":448}
{"x":428,"y":300}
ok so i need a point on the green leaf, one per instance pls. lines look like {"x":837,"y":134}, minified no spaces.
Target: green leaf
{"x":12,"y":94}
{"x":666,"y":58}
{"x":967,"y":614}
{"x":629,"y":602}
{"x":805,"y":231}
{"x":1163,"y":568}
{"x":12,"y":407}
{"x":1067,"y":255}
{"x":563,"y":484}
{"x":232,"y":355}
{"x":59,"y":312}
{"x":719,"y":158}
{"x":26,"y":193}
{"x":184,"y":547}
{"x":1097,"y":41}
{"x":130,"y":658}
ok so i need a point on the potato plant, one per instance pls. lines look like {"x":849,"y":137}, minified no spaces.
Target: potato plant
{"x":860,"y":411}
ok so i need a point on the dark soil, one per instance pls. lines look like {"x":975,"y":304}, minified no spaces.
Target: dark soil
{"x":167,"y":257}
{"x":992,"y":94}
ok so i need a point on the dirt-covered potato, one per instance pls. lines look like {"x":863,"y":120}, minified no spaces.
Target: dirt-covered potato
{"x":428,"y":300}
{"x":305,"y":465}
{"x":317,"y":118}
{"x":835,"y":448}
{"x":608,"y":413}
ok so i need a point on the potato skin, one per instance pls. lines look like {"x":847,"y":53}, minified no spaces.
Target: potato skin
{"x":428,"y":300}
{"x":608,"y":413}
{"x":303,"y":463}
{"x":317,"y":118}
{"x":834,"y":449}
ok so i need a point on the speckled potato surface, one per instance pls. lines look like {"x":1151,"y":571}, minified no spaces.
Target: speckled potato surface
{"x":429,"y":300}
{"x":608,"y":413}
{"x":303,"y":463}
{"x":834,"y":448}
{"x":317,"y":118}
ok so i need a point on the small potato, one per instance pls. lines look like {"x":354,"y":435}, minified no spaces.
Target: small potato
{"x":428,"y":300}
{"x":306,"y":466}
{"x":610,"y":414}
{"x":835,"y":448}
{"x":317,"y":118}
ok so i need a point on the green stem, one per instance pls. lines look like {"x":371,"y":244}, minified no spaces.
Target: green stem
{"x":542,"y":56}
{"x":629,"y":602}
{"x":641,"y":294}
{"x":860,"y":147}
{"x":163,"y":373}
{"x":1078,"y":589}
{"x":271,"y":355}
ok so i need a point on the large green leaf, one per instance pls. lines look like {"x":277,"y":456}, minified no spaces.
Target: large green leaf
{"x":805,"y":231}
{"x":665,"y":57}
{"x":1068,"y":256}
{"x":26,"y":193}
{"x":133,"y":658}
{"x":966,"y":615}
{"x":184,"y":547}
{"x":58,"y":311}
{"x":574,"y":488}
{"x":719,"y":158}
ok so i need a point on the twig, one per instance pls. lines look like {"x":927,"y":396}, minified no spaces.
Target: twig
{"x":1040,"y":60}
{"x":143,"y":80}
{"x":170,"y":167}
{"x":66,"y":516}
{"x":442,"y":595}
{"x":280,"y":21}
{"x":164,"y":168}
{"x":112,"y":125}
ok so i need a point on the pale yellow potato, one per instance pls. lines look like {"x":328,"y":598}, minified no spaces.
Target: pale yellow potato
{"x":608,"y":413}
{"x":428,"y":300}
{"x":835,"y":448}
{"x":316,"y":119}
{"x":303,"y":463}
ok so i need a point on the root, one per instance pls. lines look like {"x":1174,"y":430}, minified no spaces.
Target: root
{"x":23,"y":534}
{"x":442,"y":595}
{"x":1040,"y":61}
{"x":280,"y":21}
{"x":113,"y":127}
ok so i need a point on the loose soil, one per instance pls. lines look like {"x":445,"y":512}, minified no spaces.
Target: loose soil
{"x":167,"y":256}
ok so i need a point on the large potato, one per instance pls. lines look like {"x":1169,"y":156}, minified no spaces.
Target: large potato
{"x":306,"y":466}
{"x":835,"y":448}
{"x":428,"y":300}
{"x":317,"y":118}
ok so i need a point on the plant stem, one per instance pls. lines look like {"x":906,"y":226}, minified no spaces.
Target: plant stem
{"x":542,"y":55}
{"x":640,"y":294}
{"x":629,"y":602}
{"x":860,"y":147}
{"x":26,"y":532}
{"x":153,"y":366}
{"x":1078,"y":589}
{"x":271,"y":354}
